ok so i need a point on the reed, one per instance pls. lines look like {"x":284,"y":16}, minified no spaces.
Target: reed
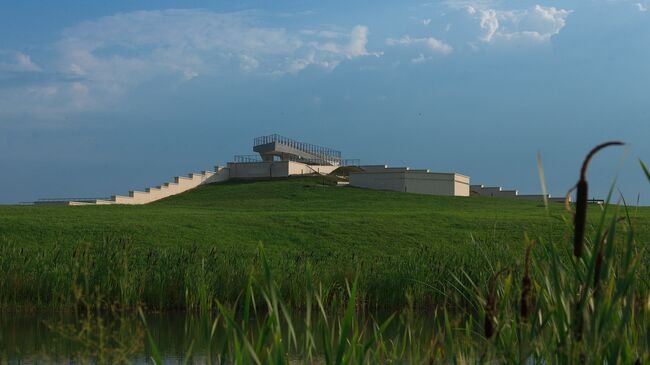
{"x":582,"y":196}
{"x":277,"y":309}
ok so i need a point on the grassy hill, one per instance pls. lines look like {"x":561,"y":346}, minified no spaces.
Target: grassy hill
{"x":210,"y":236}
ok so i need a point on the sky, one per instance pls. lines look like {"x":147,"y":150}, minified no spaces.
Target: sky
{"x":99,"y":98}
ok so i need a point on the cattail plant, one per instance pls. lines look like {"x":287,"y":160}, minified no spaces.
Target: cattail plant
{"x":489,"y":326}
{"x":525,"y":301}
{"x":600,"y":257}
{"x":599,"y":262}
{"x":582,"y":187}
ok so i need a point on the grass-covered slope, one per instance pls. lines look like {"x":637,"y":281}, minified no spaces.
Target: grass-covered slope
{"x":287,"y":214}
{"x":394,"y":240}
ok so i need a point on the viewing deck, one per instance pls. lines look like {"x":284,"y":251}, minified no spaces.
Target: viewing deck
{"x":287,"y":149}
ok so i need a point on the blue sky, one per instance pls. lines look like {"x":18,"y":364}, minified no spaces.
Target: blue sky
{"x":104,"y":97}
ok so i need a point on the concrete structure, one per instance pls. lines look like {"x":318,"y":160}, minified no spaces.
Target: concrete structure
{"x":178,"y":185}
{"x":275,"y":146}
{"x":281,"y":157}
{"x":497,"y":191}
{"x":404,"y":179}
{"x":274,"y":169}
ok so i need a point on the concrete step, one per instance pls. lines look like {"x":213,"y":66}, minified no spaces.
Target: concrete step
{"x":179,"y":185}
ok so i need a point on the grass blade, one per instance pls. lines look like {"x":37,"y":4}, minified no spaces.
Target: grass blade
{"x":645,"y":169}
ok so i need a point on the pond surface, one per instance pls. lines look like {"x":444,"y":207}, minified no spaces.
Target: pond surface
{"x":57,"y":338}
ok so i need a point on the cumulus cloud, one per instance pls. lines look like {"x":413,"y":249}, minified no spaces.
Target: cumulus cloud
{"x":17,"y":62}
{"x":420,"y":59}
{"x":470,"y":25}
{"x":538,"y":24}
{"x":463,"y":4}
{"x":103,"y":59}
{"x":356,"y":46}
{"x":429,"y":43}
{"x":194,"y":42}
{"x":642,"y":7}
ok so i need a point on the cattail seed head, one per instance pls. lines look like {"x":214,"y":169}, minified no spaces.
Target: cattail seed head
{"x":525,"y":301}
{"x":578,"y":322}
{"x":489,"y":326}
{"x":490,"y":308}
{"x":580,"y":217}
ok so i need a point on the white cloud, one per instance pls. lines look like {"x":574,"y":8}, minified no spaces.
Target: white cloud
{"x":322,"y":33}
{"x":426,"y":21}
{"x":17,"y":62}
{"x":537,"y":24}
{"x":489,"y":22}
{"x":195,"y":42}
{"x":642,"y":7}
{"x":103,"y":59}
{"x":429,"y":43}
{"x":420,"y":59}
{"x":357,"y":45}
{"x":463,"y":4}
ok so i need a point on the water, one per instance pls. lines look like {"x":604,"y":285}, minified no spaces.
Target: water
{"x":56,"y":338}
{"x":61,"y":339}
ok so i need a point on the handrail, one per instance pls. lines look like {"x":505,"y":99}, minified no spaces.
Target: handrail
{"x":314,"y":161}
{"x":70,"y":199}
{"x":350,"y":162}
{"x":247,"y":158}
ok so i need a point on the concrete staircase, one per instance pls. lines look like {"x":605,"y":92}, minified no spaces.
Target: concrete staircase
{"x":179,"y":185}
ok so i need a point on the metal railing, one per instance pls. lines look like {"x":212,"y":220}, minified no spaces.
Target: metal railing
{"x":350,"y":162}
{"x":326,"y":152}
{"x":309,"y":161}
{"x":71,"y":199}
{"x":247,"y":158}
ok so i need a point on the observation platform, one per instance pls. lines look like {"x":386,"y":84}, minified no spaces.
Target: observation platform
{"x":276,"y":147}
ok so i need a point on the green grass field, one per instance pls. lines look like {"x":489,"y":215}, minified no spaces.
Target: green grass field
{"x":208,"y":238}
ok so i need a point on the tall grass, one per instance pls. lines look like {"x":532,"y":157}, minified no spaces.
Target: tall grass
{"x":563,"y":306}
{"x":553,"y":304}
{"x":191,"y":278}
{"x":587,"y":309}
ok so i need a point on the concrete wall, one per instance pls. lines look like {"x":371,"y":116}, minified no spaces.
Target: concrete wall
{"x":388,"y":180}
{"x":495,"y":191}
{"x":258,"y":170}
{"x":461,"y":185}
{"x":373,"y":168}
{"x":539,"y":197}
{"x":297,"y":168}
{"x":429,"y":183}
{"x":412,"y":181}
{"x":274,"y":169}
{"x":221,"y":174}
